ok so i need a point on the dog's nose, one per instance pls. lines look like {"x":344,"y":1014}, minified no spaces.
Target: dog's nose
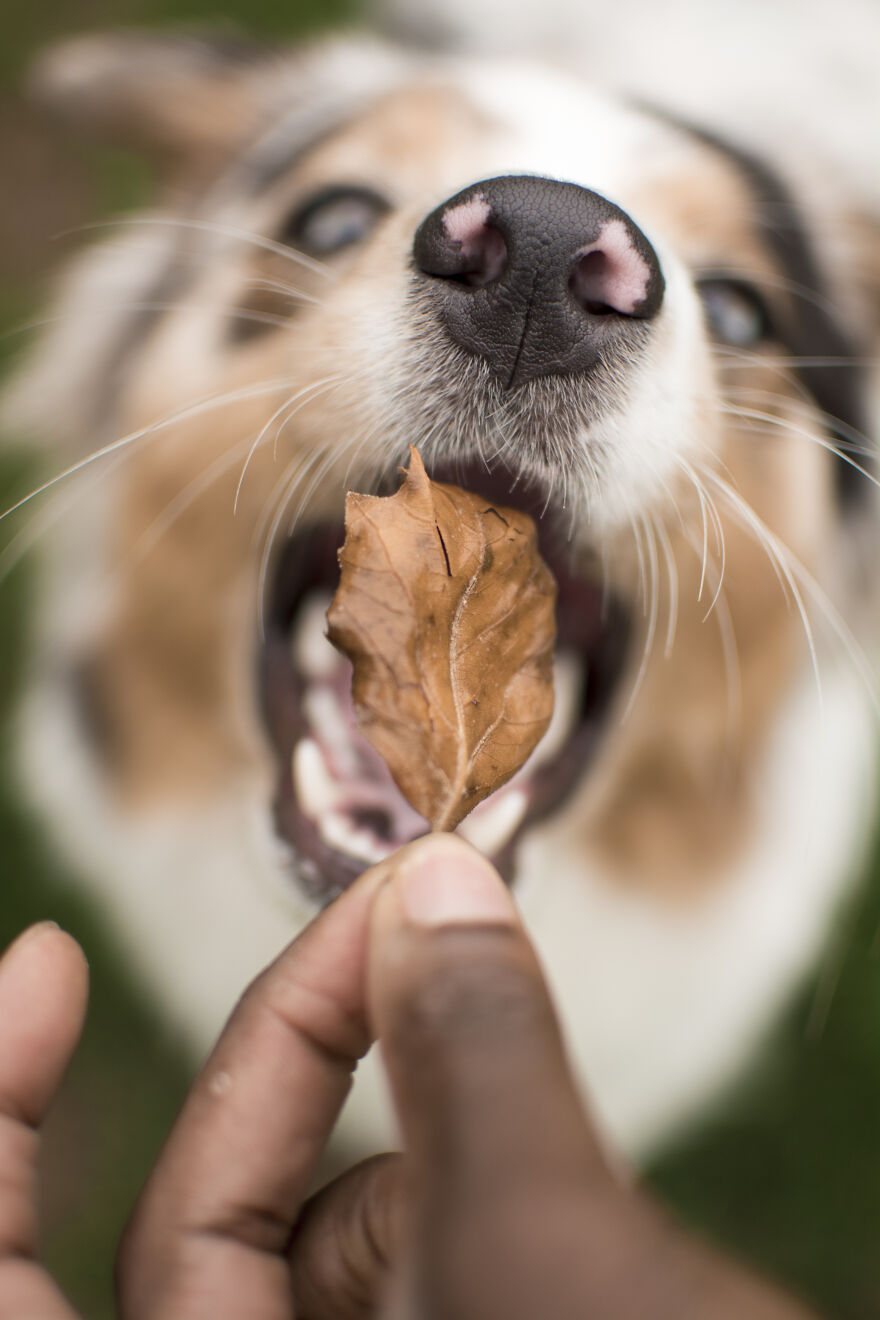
{"x":537,"y":277}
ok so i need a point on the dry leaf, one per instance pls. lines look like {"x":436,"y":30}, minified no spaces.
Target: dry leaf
{"x":447,"y":612}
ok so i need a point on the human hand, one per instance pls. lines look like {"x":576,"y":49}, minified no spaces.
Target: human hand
{"x":43,"y":991}
{"x":504,"y":1204}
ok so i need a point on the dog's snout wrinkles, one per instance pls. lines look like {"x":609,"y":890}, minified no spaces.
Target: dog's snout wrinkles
{"x":537,"y":277}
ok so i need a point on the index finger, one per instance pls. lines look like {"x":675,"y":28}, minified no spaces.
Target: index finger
{"x":43,"y":989}
{"x":208,"y":1236}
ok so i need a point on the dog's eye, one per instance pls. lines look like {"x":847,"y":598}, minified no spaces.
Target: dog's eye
{"x":334,"y":219}
{"x":735,"y":312}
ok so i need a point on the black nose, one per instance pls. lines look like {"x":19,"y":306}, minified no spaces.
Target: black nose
{"x":537,"y":277}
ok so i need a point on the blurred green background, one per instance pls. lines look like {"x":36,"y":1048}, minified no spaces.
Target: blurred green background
{"x":788,"y":1172}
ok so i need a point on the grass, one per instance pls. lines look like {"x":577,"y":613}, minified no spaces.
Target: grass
{"x":788,"y":1173}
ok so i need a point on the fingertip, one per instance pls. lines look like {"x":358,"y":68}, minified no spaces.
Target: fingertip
{"x":45,"y":939}
{"x":444,"y":935}
{"x":71,"y":966}
{"x":440,"y":880}
{"x":43,"y":997}
{"x":46,"y":966}
{"x":436,"y":890}
{"x":27,"y":936}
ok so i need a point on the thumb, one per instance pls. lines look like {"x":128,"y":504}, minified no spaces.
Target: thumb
{"x":474,"y":1054}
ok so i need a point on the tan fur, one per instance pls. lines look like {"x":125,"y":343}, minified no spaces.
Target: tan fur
{"x":700,"y":199}
{"x":672,"y":802}
{"x":675,"y":803}
{"x":676,"y":799}
{"x":411,"y":140}
{"x":701,"y":858}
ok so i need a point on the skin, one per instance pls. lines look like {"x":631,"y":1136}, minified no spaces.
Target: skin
{"x":505,"y":1204}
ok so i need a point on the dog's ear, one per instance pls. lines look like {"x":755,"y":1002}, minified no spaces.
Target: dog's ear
{"x":178,"y":98}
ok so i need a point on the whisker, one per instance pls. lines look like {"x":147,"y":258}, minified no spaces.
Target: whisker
{"x":303,"y":395}
{"x":748,"y":518}
{"x":672,"y":580}
{"x":330,"y":459}
{"x":232,"y":310}
{"x":793,"y":571}
{"x":773,"y":281}
{"x":357,"y":453}
{"x":715,"y":574}
{"x":42,"y":522}
{"x":298,"y":467}
{"x":653,"y":564}
{"x":210,"y":227}
{"x":289,"y":290}
{"x":328,"y":384}
{"x":742,"y":357}
{"x":861,"y":443}
{"x":183,"y":500}
{"x":708,"y":512}
{"x":732,"y":668}
{"x":650,"y":607}
{"x":190,"y":410}
{"x":640,"y":556}
{"x":768,"y":419}
{"x":39,"y":324}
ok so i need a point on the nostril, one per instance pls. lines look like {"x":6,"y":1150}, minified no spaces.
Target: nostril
{"x":481,"y":246}
{"x":611,"y":275}
{"x":484,"y":256}
{"x":464,"y":246}
{"x":536,"y":277}
{"x":587,"y":284}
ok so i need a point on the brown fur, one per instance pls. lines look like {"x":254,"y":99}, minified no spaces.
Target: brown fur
{"x":673,"y":801}
{"x":675,"y":793}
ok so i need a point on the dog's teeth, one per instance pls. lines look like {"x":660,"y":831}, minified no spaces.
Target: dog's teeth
{"x":308,"y":870}
{"x":312,"y":654}
{"x":338,"y":832}
{"x":489,"y":827}
{"x":568,"y":677}
{"x":327,"y":720}
{"x":316,"y":789}
{"x":319,"y":797}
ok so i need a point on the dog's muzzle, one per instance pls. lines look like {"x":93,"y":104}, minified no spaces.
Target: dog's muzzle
{"x":538,"y":277}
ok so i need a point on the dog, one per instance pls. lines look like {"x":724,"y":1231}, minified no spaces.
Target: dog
{"x":657,"y":340}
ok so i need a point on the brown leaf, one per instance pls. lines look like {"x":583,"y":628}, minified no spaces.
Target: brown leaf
{"x":447,"y":612}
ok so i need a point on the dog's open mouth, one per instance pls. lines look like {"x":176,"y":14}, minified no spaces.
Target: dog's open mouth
{"x":337,"y":805}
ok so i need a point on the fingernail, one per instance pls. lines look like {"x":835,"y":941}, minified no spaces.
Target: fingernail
{"x":444,"y":882}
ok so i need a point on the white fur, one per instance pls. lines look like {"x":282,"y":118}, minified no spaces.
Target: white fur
{"x":95,"y":303}
{"x":680,"y":997}
{"x":201,"y":896}
{"x":661,"y":1005}
{"x":198,"y":899}
{"x":802,"y":71}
